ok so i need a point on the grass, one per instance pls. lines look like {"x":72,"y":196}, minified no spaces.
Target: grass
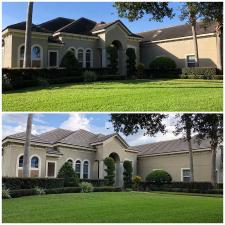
{"x":113,"y":207}
{"x":136,"y":95}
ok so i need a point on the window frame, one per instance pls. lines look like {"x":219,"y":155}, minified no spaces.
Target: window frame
{"x":89,"y":164}
{"x":182,"y":174}
{"x":83,"y":61}
{"x":81,"y":171}
{"x":186,"y":59}
{"x":46,"y":171}
{"x":91,"y":58}
{"x":41,"y":55}
{"x":57,"y":58}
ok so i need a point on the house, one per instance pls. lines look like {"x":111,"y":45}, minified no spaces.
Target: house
{"x":86,"y":151}
{"x":89,"y":39}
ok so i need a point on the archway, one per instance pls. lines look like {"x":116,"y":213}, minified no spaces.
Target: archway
{"x":118,"y":172}
{"x":117,"y":44}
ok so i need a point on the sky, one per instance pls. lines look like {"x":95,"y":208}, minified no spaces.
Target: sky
{"x":93,"y":122}
{"x":15,"y":12}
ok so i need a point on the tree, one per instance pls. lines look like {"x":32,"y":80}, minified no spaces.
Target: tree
{"x":70,"y":62}
{"x":136,"y":10}
{"x":131,"y":62}
{"x":131,"y":123}
{"x":212,"y":13}
{"x":127,"y":174}
{"x":210,"y":126}
{"x":113,"y":59}
{"x":190,"y":10}
{"x":184,"y":126}
{"x":27,"y":147}
{"x":28,"y":37}
{"x":110,"y":170}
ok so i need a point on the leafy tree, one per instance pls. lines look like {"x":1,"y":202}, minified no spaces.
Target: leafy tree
{"x":113,"y":59}
{"x":159,"y":177}
{"x":212,"y":12}
{"x":185,"y":125}
{"x":70,"y":62}
{"x":68,"y":173}
{"x":131,"y":123}
{"x":190,"y":11}
{"x":136,"y":10}
{"x":110,"y":170}
{"x":127,"y":174}
{"x":131,"y":62}
{"x":210,"y":126}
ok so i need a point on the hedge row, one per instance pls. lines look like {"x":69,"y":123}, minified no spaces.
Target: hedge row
{"x":96,"y":182}
{"x":14,"y":183}
{"x":28,"y":192}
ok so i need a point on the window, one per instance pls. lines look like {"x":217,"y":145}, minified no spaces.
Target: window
{"x":191,"y":61}
{"x":21,"y":161}
{"x":80,"y":56}
{"x":53,"y":58}
{"x":88,"y":58}
{"x":78,"y":167}
{"x":21,"y":55}
{"x":51,"y":168}
{"x":36,"y":56}
{"x":35,"y":162}
{"x":186,"y":175}
{"x":86,"y":170}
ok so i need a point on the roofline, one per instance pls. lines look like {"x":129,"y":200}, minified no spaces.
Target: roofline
{"x":75,"y":35}
{"x":177,"y":39}
{"x":173,"y":153}
{"x":8,"y":30}
{"x":73,"y":146}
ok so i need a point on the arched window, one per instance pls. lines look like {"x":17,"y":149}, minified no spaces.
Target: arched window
{"x":70,"y":161}
{"x":80,"y":56}
{"x":78,"y":167}
{"x":36,"y":56}
{"x":21,"y":161}
{"x":21,"y":55}
{"x":86,"y":170}
{"x":88,"y":58}
{"x":34,"y":162}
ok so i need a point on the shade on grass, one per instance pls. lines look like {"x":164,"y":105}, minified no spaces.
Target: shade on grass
{"x":114,"y":207}
{"x":145,"y":95}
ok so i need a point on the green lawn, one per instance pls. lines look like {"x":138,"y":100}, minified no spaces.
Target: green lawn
{"x":113,"y":207}
{"x":137,"y":95}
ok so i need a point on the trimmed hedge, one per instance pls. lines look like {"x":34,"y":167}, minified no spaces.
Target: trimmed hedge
{"x":163,"y":63}
{"x":96,"y":182}
{"x":14,"y":183}
{"x":22,"y":192}
{"x":157,"y":74}
{"x":107,"y":189}
{"x":206,"y":71}
{"x":63,"y":190}
{"x":214,"y":77}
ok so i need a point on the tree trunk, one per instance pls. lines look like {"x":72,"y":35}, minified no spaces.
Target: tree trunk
{"x":213,"y":165}
{"x":27,"y":147}
{"x":193,"y":27}
{"x":27,"y":50}
{"x":219,"y":46}
{"x":191,"y":160}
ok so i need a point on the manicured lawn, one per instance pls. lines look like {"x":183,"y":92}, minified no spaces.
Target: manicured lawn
{"x":114,"y":207}
{"x":144,"y":95}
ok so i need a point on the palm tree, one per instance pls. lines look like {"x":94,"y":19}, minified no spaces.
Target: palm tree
{"x":27,"y":51}
{"x":27,"y":147}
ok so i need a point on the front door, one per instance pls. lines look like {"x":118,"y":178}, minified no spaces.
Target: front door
{"x":51,"y":169}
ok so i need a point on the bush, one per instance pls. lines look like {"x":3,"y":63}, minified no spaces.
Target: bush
{"x":214,"y":77}
{"x":89,"y":76}
{"x":110,"y":170}
{"x":5,"y":193}
{"x":27,"y":183}
{"x":63,"y":190}
{"x":207,"y":72}
{"x":140,"y":70}
{"x":113,"y":59}
{"x":127,"y":174}
{"x":136,"y":182}
{"x":131,"y":62}
{"x":96,"y":182}
{"x":86,"y":187}
{"x":163,"y":63}
{"x":70,"y":62}
{"x":68,"y":173}
{"x":39,"y":191}
{"x":159,"y":177}
{"x":111,"y":77}
{"x":22,"y":192}
{"x":107,"y":189}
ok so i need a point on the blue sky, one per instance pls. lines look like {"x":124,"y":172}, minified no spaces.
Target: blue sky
{"x":15,"y":12}
{"x":96,"y":123}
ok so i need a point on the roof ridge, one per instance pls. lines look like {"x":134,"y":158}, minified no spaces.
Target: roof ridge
{"x":65,"y":26}
{"x":59,"y":17}
{"x":51,"y":131}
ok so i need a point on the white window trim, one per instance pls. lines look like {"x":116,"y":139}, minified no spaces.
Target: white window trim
{"x":57,"y":60}
{"x":18,"y":54}
{"x":17,"y":165}
{"x":91,"y":58}
{"x":156,"y":169}
{"x":83,"y":63}
{"x":186,"y":61}
{"x":41,"y":54}
{"x":39,"y":164}
{"x":182,"y":169}
{"x":46,"y":170}
{"x":81,"y":167}
{"x":89,"y":168}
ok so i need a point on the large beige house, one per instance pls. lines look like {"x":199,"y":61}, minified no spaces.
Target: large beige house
{"x":89,"y":40}
{"x":86,"y":151}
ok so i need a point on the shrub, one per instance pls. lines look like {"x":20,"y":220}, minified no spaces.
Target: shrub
{"x":159,"y":177}
{"x":127,"y":174}
{"x":39,"y":191}
{"x":136,"y":182}
{"x":206,"y":72}
{"x":131,"y":62}
{"x":68,"y":173}
{"x":22,"y":192}
{"x":110,"y":170}
{"x":113,"y":59}
{"x":70,"y":62}
{"x":96,"y":182}
{"x":111,"y":77}
{"x":27,"y":183}
{"x":5,"y":193}
{"x":162,"y":63}
{"x":140,"y":70}
{"x":89,"y":76}
{"x":107,"y":189}
{"x":214,"y":77}
{"x":86,"y":187}
{"x":63,"y":190}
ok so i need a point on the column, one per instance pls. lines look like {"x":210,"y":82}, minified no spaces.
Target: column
{"x":103,"y":57}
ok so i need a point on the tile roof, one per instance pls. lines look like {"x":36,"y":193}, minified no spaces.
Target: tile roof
{"x":172,"y":146}
{"x":175,"y":32}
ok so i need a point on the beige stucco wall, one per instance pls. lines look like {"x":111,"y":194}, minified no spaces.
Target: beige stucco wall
{"x":178,"y":49}
{"x":7,"y":52}
{"x":174,"y":163}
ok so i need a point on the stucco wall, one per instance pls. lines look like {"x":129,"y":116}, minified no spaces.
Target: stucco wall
{"x":177,"y":50}
{"x":7,"y":52}
{"x":173,"y":164}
